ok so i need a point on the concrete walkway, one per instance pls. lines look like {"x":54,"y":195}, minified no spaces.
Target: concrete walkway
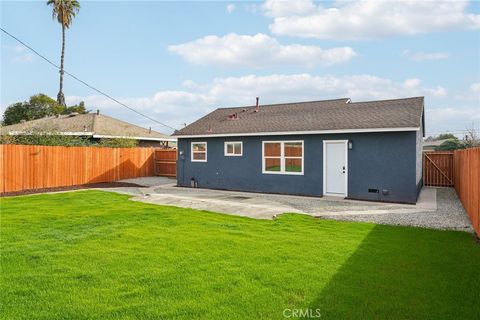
{"x":449,"y":214}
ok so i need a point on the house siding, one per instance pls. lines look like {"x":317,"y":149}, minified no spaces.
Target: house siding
{"x":383,"y":161}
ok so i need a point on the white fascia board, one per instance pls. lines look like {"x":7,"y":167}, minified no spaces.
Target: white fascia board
{"x":100,"y":136}
{"x":286,"y":133}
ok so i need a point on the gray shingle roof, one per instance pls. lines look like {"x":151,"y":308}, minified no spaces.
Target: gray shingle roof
{"x":340,"y":114}
{"x":434,"y":143}
{"x":89,"y":124}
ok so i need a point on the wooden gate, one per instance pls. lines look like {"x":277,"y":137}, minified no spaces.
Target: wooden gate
{"x":166,"y":162}
{"x":438,"y":169}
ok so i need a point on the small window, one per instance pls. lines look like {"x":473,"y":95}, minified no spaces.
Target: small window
{"x":233,"y":149}
{"x":199,"y":152}
{"x":283,"y":157}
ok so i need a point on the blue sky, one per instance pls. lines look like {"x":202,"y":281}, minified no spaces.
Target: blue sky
{"x":176,"y":61}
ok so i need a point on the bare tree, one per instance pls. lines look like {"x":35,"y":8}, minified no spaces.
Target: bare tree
{"x":472,"y":137}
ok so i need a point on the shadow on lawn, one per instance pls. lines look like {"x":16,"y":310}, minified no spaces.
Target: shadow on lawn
{"x":406,"y":273}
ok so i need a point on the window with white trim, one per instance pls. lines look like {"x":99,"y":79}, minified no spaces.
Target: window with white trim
{"x":283,"y":157}
{"x":199,"y":152}
{"x":234,"y":149}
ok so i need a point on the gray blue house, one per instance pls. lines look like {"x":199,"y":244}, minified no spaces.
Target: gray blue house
{"x":358,"y":150}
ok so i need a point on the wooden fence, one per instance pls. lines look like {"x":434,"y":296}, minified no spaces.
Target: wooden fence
{"x":438,"y":169}
{"x":166,"y":162}
{"x":466,"y":181}
{"x":36,"y":167}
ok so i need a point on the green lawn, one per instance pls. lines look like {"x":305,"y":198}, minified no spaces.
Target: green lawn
{"x":98,"y":255}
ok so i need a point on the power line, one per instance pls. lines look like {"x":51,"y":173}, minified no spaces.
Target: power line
{"x":447,"y":132}
{"x":85,"y":83}
{"x":451,"y":131}
{"x":455,"y":131}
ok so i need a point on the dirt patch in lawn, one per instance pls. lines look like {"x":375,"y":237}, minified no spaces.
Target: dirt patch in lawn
{"x":77,"y":187}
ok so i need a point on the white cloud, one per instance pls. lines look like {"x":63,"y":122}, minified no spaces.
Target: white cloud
{"x":367,"y":19}
{"x":230,"y":8}
{"x":259,"y":50}
{"x":22,"y":55}
{"x":475,"y":88}
{"x":472,"y":93}
{"x":421,"y":56}
{"x":195,"y":100}
{"x":288,"y":8}
{"x":445,"y":119}
{"x":412,"y":83}
{"x":439,"y":91}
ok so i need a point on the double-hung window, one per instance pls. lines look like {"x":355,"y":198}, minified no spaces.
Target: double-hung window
{"x":199,"y":152}
{"x":283,"y":157}
{"x":234,"y":149}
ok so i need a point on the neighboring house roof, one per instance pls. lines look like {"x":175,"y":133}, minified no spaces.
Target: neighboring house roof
{"x":434,"y":143}
{"x":89,"y":124}
{"x":327,"y":116}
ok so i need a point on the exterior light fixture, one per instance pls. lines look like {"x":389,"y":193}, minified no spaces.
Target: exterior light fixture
{"x":350,"y":145}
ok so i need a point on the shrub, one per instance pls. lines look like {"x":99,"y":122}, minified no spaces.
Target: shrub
{"x":46,"y":139}
{"x":54,"y":138}
{"x":118,"y":143}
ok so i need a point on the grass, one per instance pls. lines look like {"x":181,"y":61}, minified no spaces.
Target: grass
{"x":98,"y":255}
{"x":288,"y":168}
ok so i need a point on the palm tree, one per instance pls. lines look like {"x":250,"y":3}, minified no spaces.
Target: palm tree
{"x":64,"y":11}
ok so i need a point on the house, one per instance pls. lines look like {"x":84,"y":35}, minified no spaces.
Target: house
{"x":359,"y":150}
{"x":94,"y":126}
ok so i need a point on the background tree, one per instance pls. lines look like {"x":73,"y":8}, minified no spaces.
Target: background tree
{"x":450,"y":144}
{"x":445,"y":136}
{"x":38,"y":106}
{"x":64,"y":11}
{"x":80,"y":108}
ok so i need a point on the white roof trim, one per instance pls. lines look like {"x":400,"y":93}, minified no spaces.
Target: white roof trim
{"x":99,"y":136}
{"x":285,"y":133}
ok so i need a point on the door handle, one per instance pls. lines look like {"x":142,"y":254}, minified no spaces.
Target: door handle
{"x":343,"y":169}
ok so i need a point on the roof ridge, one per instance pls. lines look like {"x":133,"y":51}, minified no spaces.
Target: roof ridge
{"x":383,"y":100}
{"x":285,"y":103}
{"x":30,"y":121}
{"x":129,"y":124}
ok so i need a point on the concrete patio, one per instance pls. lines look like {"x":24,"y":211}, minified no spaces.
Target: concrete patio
{"x":448,"y":215}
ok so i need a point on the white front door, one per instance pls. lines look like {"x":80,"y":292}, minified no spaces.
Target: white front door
{"x":335,"y":168}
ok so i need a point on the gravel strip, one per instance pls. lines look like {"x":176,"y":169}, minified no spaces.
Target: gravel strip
{"x":115,"y":185}
{"x":314,"y":205}
{"x":450,"y":215}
